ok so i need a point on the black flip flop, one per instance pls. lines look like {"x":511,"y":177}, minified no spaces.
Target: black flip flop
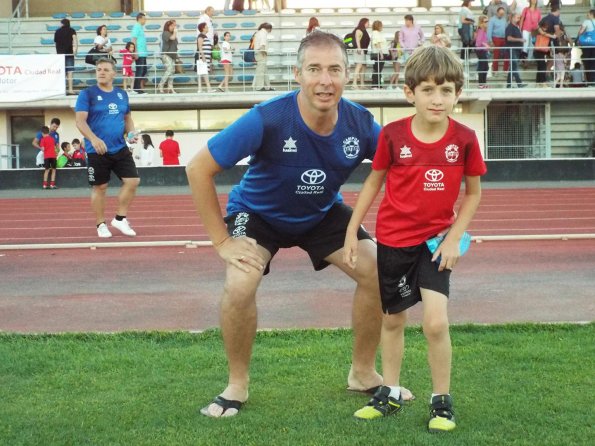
{"x":224,"y":403}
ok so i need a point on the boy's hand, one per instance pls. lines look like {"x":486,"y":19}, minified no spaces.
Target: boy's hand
{"x":449,"y":254}
{"x":350,"y":250}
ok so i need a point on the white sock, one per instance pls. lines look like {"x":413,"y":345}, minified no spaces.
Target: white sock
{"x":395,"y":392}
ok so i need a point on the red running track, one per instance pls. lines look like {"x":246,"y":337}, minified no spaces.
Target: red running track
{"x":173,"y":217}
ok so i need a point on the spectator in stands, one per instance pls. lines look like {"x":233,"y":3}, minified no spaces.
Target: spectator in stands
{"x":280,"y":5}
{"x":169,"y":53}
{"x":207,"y":17}
{"x":252,"y":3}
{"x":227,"y":5}
{"x":540,"y":54}
{"x":140,"y":42}
{"x":146,"y":154}
{"x":54,"y":126}
{"x":492,"y":9}
{"x":552,"y":25}
{"x":497,"y":39}
{"x":169,"y":150}
{"x":238,"y":5}
{"x":395,"y":54}
{"x":102,"y":41}
{"x":204,"y":49}
{"x":440,"y":37}
{"x":465,"y":28}
{"x":530,"y":18}
{"x":66,"y":42}
{"x":107,"y":151}
{"x":313,"y":25}
{"x":379,"y":53}
{"x":128,"y":56}
{"x":577,"y":76}
{"x":561,"y":58}
{"x":588,"y":56}
{"x":227,"y":62}
{"x":514,"y":42}
{"x":272,"y":208}
{"x":261,"y":80}
{"x":482,"y":49}
{"x":412,"y":36}
{"x":362,"y":42}
{"x":50,"y":152}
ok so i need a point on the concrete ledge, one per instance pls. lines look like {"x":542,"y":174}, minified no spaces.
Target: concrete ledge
{"x":554,"y":170}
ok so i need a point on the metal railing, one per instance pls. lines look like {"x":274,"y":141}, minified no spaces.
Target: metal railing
{"x":14,"y":24}
{"x":10,"y":156}
{"x":280,"y":71}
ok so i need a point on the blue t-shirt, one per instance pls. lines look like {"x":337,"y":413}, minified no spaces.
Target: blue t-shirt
{"x":106,"y":116}
{"x":54,"y":135}
{"x":294,"y":174}
{"x":141,"y":41}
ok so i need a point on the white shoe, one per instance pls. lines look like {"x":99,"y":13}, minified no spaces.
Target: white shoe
{"x":103,"y":231}
{"x":123,"y":227}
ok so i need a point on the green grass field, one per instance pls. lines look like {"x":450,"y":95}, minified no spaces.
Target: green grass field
{"x":512,"y":385}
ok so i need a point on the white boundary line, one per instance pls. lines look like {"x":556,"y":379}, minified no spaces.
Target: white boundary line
{"x":197,"y":244}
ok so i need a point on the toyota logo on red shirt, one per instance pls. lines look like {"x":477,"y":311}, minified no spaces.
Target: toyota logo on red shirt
{"x":434,"y":175}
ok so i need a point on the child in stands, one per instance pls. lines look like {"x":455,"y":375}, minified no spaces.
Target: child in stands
{"x":128,"y":56}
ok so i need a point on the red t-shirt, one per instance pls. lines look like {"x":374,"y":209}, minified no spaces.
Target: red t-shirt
{"x":423,"y":180}
{"x":48,"y":144}
{"x":171,"y":152}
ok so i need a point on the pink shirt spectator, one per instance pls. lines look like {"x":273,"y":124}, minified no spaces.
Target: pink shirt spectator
{"x":411,"y":38}
{"x":530,"y":19}
{"x":481,"y":40}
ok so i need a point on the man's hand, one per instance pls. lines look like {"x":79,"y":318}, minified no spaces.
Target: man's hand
{"x":242,"y":253}
{"x":99,"y":146}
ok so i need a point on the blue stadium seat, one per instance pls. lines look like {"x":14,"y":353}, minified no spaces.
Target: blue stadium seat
{"x":246,"y":64}
{"x":174,"y":13}
{"x":129,"y":27}
{"x":189,"y":26}
{"x":116,"y":14}
{"x":96,"y":14}
{"x":126,"y":39}
{"x":154,"y":13}
{"x":113,"y":27}
{"x":59,"y":15}
{"x":230,"y":12}
{"x":77,"y":82}
{"x":77,"y":15}
{"x":52,"y":28}
{"x":229,"y":25}
{"x":87,"y":41}
{"x":219,"y":78}
{"x":245,"y":78}
{"x":186,"y":53}
{"x":134,"y":14}
{"x":152,"y":39}
{"x":182,"y":79}
{"x":91,"y":27}
{"x":249,"y":12}
{"x":153,"y":27}
{"x":90,"y":82}
{"x":45,"y":41}
{"x":188,"y":38}
{"x":248,"y":24}
{"x":246,"y":37}
{"x":192,"y":13}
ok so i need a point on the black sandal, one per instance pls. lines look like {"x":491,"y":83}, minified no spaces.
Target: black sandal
{"x":224,"y":403}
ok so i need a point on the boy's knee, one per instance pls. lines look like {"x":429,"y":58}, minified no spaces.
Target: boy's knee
{"x":435,"y":327}
{"x":394,"y":322}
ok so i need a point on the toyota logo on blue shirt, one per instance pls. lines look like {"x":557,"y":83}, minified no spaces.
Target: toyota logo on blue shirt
{"x":313,"y":176}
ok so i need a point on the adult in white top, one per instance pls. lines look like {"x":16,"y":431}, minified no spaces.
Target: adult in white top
{"x":102,"y":41}
{"x":207,"y":18}
{"x":379,"y":50}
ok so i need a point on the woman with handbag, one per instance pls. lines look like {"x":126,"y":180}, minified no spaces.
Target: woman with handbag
{"x":588,"y":57}
{"x":102,"y":42}
{"x":204,"y":48}
{"x":169,"y":52}
{"x":541,"y":52}
{"x":530,"y":18}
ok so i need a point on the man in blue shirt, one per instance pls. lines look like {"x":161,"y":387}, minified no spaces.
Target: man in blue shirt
{"x":497,"y":39}
{"x":302,"y":147}
{"x":140,"y":41}
{"x":103,"y":117}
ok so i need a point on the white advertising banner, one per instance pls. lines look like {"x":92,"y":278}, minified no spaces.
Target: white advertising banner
{"x":32,"y":77}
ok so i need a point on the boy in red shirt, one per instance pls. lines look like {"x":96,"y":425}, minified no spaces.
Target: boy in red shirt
{"x":423,"y":158}
{"x":169,"y":150}
{"x":48,"y":145}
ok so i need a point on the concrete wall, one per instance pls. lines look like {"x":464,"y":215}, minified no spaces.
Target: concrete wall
{"x":44,"y":8}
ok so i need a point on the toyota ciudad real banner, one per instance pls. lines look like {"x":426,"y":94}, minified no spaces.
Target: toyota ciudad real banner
{"x":32,"y":77}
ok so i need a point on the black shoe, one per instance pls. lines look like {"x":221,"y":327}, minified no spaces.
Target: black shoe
{"x":442,"y":417}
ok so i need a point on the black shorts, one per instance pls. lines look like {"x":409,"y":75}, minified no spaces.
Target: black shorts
{"x":403,"y":271}
{"x":319,"y":242}
{"x":49,"y":163}
{"x":100,"y":166}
